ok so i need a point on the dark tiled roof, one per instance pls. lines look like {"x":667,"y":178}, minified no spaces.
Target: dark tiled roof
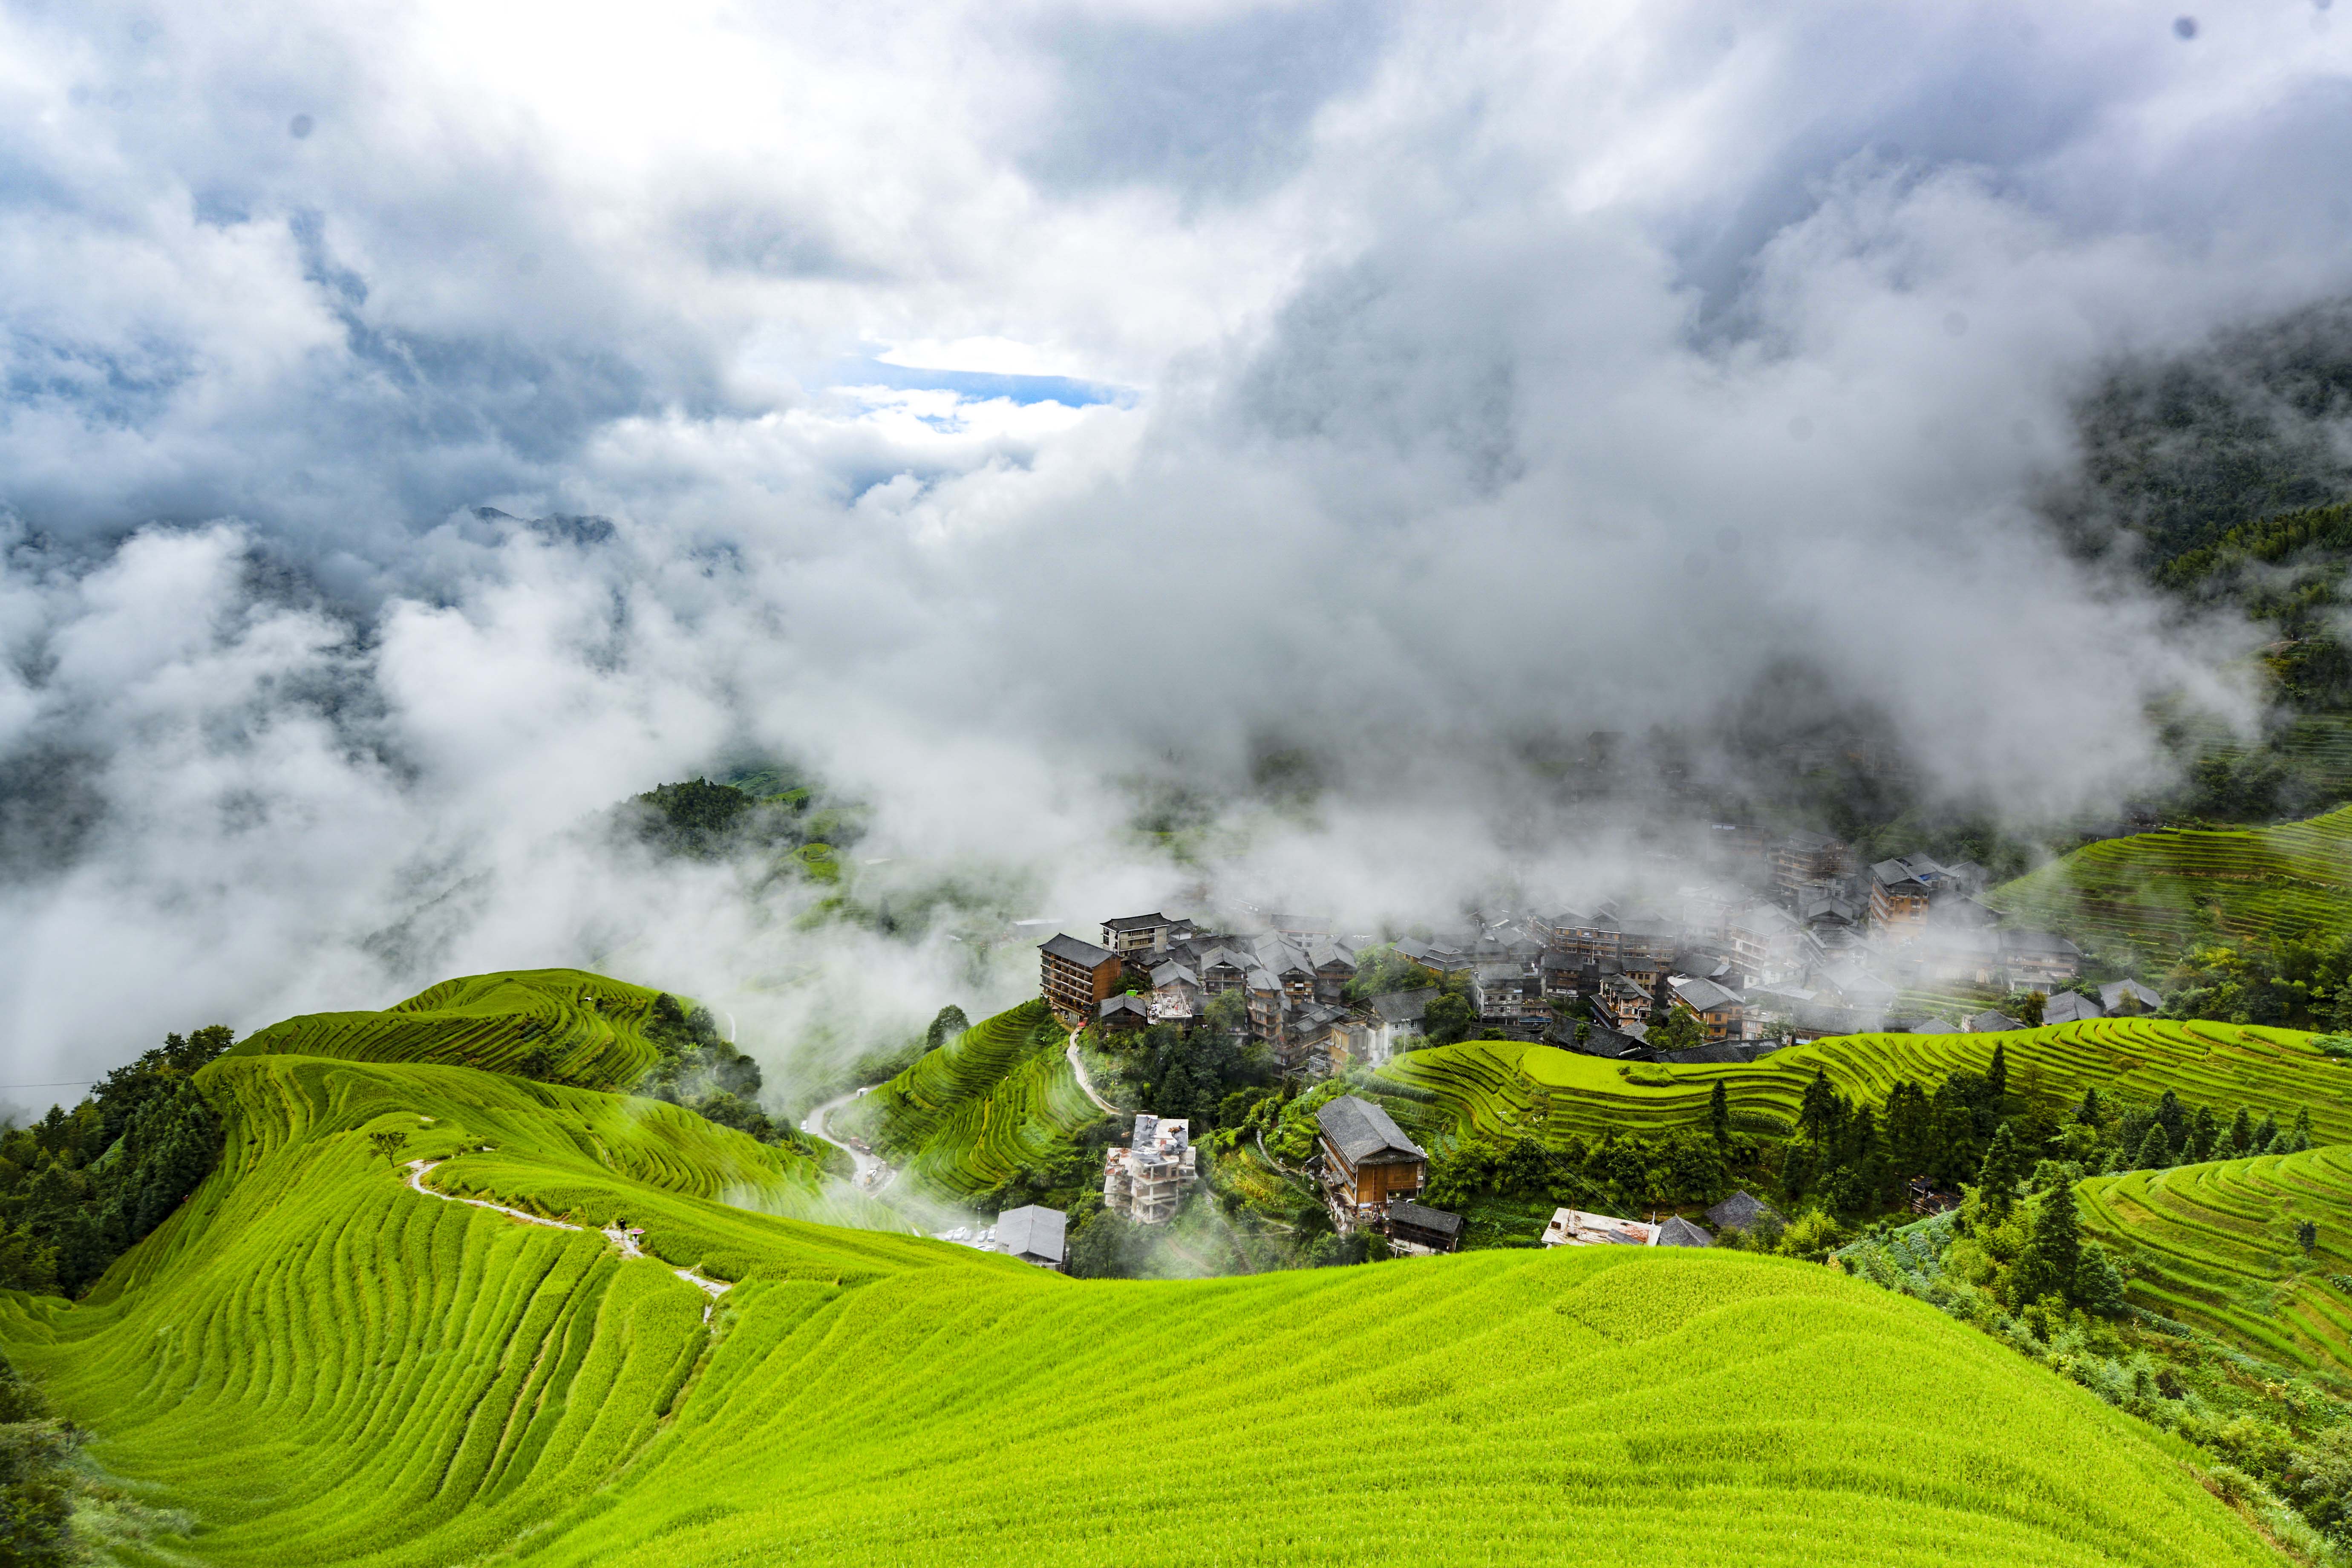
{"x":1739,"y":1212}
{"x":1085,"y":954}
{"x":1723,"y":1052}
{"x":1680,"y":1232}
{"x":1404,"y":1211}
{"x":1404,"y":1006}
{"x":1361,"y":1130}
{"x":1112,"y":1005}
{"x":2070,"y":1007}
{"x":1137,"y":923}
{"x":1033,"y":1230}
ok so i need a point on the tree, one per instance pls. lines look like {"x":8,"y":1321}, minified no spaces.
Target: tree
{"x":1526,"y":1169}
{"x":1680,"y":1031}
{"x":2306,"y":1235}
{"x":1817,"y":1112}
{"x":2003,"y":1168}
{"x":2088,"y":1113}
{"x":2173,"y":1119}
{"x":950,"y":1022}
{"x":2054,"y":1247}
{"x":1107,"y":1246}
{"x":1910,"y":1129}
{"x":388,"y":1144}
{"x":36,"y":1482}
{"x":1718,"y":1114}
{"x":2242,"y":1132}
{"x":2204,"y":1133}
{"x":2155,"y":1153}
{"x":538,"y":1062}
{"x":2098,"y":1283}
{"x":1227,"y":1013}
{"x":2300,"y":1139}
{"x":1448,"y":1019}
{"x":2030,"y":1007}
{"x":1996,"y":1077}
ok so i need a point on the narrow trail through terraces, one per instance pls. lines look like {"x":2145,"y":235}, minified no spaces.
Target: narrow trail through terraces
{"x":1087,"y":1083}
{"x":625,"y":1242}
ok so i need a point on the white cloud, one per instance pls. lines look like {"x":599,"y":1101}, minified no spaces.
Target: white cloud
{"x":1475,"y":339}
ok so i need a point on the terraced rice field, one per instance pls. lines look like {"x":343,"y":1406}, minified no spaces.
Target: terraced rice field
{"x":1500,"y":1089}
{"x":589,"y":1024}
{"x":997,"y":1099}
{"x":2214,"y":1246}
{"x":323,"y":1367}
{"x":2175,"y":885}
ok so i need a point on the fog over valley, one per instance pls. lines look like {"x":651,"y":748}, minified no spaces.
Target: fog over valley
{"x":1386,"y":460}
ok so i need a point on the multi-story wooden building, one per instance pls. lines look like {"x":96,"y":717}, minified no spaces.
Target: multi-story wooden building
{"x":1076,"y":977}
{"x":1722,"y":1013}
{"x":1366,"y":1161}
{"x":1901,"y":890}
{"x":1139,"y":938}
{"x":1806,"y":860}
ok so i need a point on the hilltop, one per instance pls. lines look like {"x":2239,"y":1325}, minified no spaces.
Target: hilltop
{"x":1502,"y":1088}
{"x":321,"y":1363}
{"x":2168,"y":888}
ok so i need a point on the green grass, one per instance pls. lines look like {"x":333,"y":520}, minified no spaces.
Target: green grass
{"x":2213,"y":1245}
{"x":2176,"y":885}
{"x":1500,"y":1089}
{"x":997,"y":1099}
{"x":325,"y":1368}
{"x":591,"y":1025}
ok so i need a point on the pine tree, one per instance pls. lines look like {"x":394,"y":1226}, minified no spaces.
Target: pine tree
{"x":1719,"y":1113}
{"x":2087,"y":1114}
{"x":2098,"y":1283}
{"x":2306,"y":1235}
{"x":2300,"y":1139}
{"x":2054,"y":1247}
{"x":2204,"y":1133}
{"x":2155,"y":1152}
{"x":1814,"y":1112}
{"x":1997,"y":1075}
{"x":2174,"y":1119}
{"x":2267,"y":1134}
{"x":2242,"y":1131}
{"x":1996,"y":1179}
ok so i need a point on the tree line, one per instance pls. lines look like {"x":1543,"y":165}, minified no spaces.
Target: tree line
{"x":78,"y":1188}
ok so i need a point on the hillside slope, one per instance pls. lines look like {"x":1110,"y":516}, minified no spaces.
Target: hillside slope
{"x":1503,"y":1089}
{"x":590,"y":1027}
{"x":997,"y":1099}
{"x":2214,"y":1246}
{"x":323,"y":1366}
{"x":2172,"y":886}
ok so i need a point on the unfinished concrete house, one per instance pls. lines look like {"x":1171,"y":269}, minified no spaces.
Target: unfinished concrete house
{"x":1146,"y":1180}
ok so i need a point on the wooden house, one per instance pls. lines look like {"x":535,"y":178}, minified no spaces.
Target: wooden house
{"x":1077,"y":977}
{"x":1366,"y":1161}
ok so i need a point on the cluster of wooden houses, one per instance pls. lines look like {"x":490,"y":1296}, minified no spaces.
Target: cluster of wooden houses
{"x":1830,"y":953}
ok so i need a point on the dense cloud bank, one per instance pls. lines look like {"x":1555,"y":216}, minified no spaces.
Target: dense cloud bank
{"x":1006,"y":411}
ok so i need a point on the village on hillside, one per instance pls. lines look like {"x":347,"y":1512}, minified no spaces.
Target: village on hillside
{"x":1818,"y":946}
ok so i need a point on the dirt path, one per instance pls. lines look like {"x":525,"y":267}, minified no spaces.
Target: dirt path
{"x":625,"y":1242}
{"x":1085,"y":1083}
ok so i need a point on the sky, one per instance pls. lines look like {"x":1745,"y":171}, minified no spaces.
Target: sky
{"x":991,"y":406}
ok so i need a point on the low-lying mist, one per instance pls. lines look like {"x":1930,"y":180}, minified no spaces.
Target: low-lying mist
{"x":1529,"y":439}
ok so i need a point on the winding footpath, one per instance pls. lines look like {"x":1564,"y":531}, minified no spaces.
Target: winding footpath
{"x":1087,"y":1083}
{"x":624,"y":1241}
